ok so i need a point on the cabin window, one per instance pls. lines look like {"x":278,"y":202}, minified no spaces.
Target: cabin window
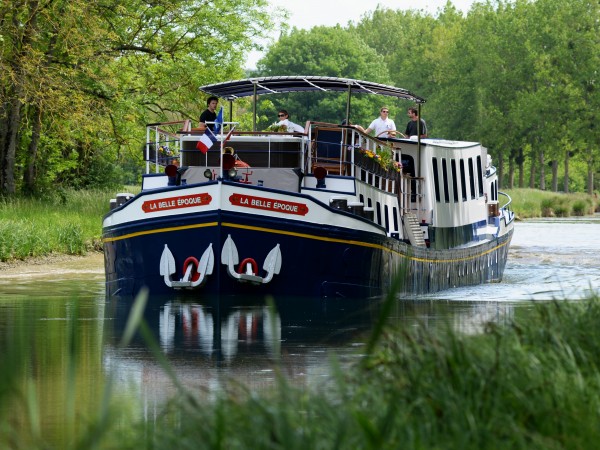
{"x":463,"y":180}
{"x":361,"y":198}
{"x":369,"y":203}
{"x":436,"y":181}
{"x":471,"y":178}
{"x":395,"y":217}
{"x":454,"y":180}
{"x":445,"y":176}
{"x":379,"y":213}
{"x":386,"y":217}
{"x":480,"y":176}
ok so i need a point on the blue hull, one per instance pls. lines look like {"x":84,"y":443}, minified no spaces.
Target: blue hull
{"x":318,"y":260}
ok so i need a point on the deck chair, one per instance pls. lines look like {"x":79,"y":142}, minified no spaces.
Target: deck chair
{"x":328,"y":150}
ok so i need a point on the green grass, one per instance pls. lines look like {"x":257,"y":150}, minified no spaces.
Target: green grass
{"x":530,"y":384}
{"x":67,"y":223}
{"x":530,"y":203}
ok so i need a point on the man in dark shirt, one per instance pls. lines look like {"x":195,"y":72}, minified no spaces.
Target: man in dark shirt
{"x":411,"y":126}
{"x":210,"y":114}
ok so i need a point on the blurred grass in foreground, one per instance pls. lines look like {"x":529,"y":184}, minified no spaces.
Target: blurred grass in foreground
{"x":529,"y":383}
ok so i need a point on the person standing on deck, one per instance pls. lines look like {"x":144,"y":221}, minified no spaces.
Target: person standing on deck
{"x":210,"y":113}
{"x":413,"y":124}
{"x":383,"y":126}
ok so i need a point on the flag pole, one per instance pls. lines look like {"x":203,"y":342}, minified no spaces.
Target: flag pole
{"x":221,"y":150}
{"x":220,"y":123}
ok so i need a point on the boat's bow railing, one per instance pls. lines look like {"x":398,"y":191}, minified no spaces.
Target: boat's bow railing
{"x":507,"y":212}
{"x":163,"y":145}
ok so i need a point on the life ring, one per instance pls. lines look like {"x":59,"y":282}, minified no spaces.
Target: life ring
{"x":242,"y":267}
{"x":195,"y":274}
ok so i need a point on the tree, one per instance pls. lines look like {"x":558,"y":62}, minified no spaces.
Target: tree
{"x":326,"y":51}
{"x":82,"y":78}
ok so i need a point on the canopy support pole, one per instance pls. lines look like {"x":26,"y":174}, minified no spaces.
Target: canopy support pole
{"x":419,"y":140}
{"x":348,"y":104}
{"x":254,"y":99}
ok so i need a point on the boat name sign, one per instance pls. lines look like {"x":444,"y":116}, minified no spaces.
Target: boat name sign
{"x":184,"y":201}
{"x":269,"y":204}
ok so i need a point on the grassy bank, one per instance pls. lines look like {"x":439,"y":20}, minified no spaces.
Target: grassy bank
{"x":532,"y":382}
{"x":67,"y":223}
{"x":530,"y":203}
{"x":70,"y":222}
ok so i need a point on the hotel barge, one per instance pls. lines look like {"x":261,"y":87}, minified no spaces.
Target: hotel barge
{"x":330,"y":212}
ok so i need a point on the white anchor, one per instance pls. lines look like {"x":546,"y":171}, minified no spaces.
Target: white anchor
{"x":230,"y":257}
{"x":204,"y":269}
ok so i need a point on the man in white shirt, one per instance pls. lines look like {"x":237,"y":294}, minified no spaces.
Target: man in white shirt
{"x":383,"y":126}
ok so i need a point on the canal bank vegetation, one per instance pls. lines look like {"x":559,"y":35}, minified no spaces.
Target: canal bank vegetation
{"x":69,"y":222}
{"x":531,"y":203}
{"x":527,"y":381}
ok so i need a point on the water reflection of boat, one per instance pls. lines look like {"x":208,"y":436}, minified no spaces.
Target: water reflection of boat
{"x":207,"y":344}
{"x":193,"y":326}
{"x":221,"y":332}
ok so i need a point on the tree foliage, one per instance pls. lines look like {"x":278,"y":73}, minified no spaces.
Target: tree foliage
{"x":325,"y":51}
{"x":519,"y":76}
{"x":79,"y":79}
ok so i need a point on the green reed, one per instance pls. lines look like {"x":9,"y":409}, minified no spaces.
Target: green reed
{"x":531,"y":382}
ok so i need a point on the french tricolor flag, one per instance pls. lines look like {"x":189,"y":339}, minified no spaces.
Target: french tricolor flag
{"x":206,"y":141}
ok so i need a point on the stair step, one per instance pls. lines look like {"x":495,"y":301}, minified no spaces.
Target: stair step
{"x":413,"y":230}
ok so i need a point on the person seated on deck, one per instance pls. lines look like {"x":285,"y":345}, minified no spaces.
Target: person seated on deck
{"x":412,"y":125}
{"x":238,"y":163}
{"x":383,"y":126}
{"x":284,"y":120}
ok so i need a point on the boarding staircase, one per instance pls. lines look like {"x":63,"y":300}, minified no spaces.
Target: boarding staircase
{"x":413,"y":230}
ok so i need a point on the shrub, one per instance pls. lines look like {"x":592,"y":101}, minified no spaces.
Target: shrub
{"x":580,"y":208}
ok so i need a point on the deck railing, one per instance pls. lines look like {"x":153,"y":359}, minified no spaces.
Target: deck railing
{"x":342,"y":150}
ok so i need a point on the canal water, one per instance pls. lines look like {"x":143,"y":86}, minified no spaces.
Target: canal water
{"x":57,"y":313}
